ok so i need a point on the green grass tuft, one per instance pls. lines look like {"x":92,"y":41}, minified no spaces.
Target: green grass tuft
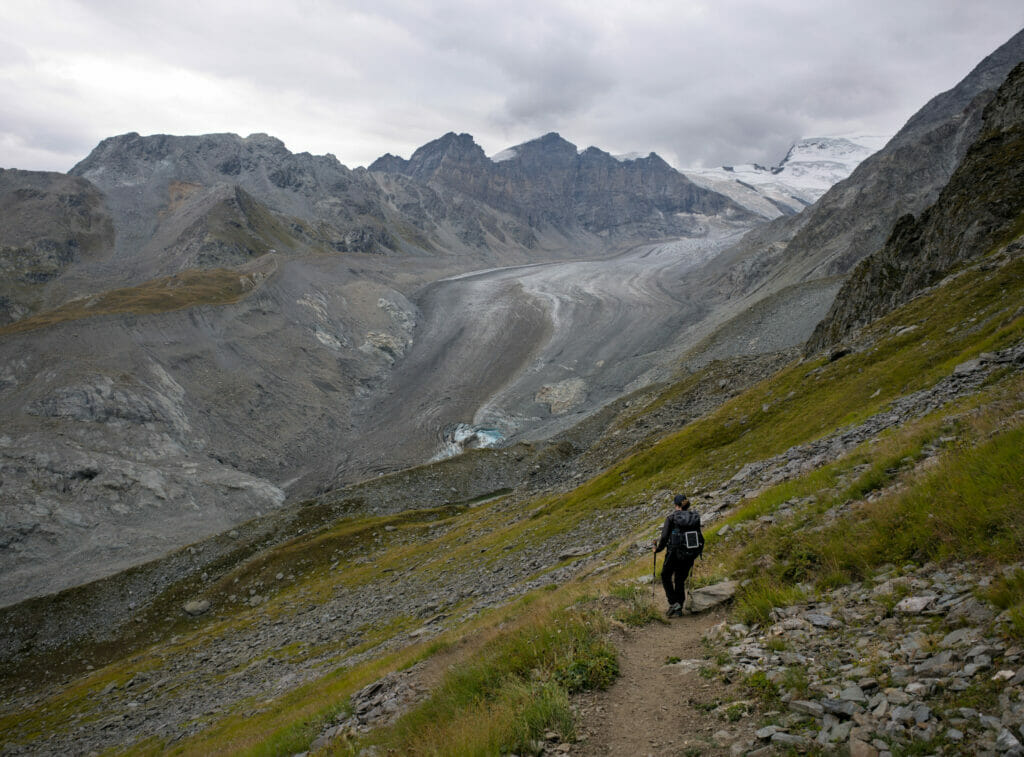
{"x":756,"y":603}
{"x":516,"y":687}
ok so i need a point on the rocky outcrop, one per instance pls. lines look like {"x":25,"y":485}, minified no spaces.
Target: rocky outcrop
{"x":159,"y":187}
{"x":981,"y":207}
{"x":892,"y":692}
{"x":49,"y":222}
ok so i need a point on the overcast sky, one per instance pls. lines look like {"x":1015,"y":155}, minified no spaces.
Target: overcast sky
{"x":700,"y":83}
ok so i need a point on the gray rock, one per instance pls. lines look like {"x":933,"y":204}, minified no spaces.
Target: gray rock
{"x":915,"y":605}
{"x":782,"y":738}
{"x":841,"y":731}
{"x":919,"y":688}
{"x":922,"y":714}
{"x":969,"y":366}
{"x":853,"y":694}
{"x":823,"y":621}
{"x":897,"y":696}
{"x":972,"y":669}
{"x":959,"y":637}
{"x":995,"y":724}
{"x":1007,"y":741}
{"x":903,"y":714}
{"x":196,"y":607}
{"x":972,"y":610}
{"x":859,"y":748}
{"x":707,"y":597}
{"x":940,"y":664}
{"x":574,"y":552}
{"x":844,"y":708}
{"x":807,"y":707}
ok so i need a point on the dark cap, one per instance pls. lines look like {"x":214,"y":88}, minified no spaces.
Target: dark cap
{"x":681,"y":500}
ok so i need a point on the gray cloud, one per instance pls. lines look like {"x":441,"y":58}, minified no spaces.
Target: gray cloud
{"x":699,"y":82}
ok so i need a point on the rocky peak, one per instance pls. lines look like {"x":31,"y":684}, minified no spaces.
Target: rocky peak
{"x":388,"y":163}
{"x":140,"y":177}
{"x":130,"y":158}
{"x":547,"y":152}
{"x":451,"y":153}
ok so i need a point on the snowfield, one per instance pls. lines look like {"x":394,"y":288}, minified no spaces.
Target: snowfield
{"x":811,"y":167}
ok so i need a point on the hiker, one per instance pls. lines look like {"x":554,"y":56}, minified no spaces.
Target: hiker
{"x":682,"y":535}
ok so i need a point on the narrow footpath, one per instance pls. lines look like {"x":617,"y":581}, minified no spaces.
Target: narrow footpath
{"x":661,"y":705}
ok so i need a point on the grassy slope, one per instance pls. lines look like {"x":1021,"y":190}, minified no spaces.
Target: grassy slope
{"x":191,"y":288}
{"x":511,"y":668}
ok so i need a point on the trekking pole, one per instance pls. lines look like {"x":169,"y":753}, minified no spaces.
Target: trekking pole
{"x":654,"y":575}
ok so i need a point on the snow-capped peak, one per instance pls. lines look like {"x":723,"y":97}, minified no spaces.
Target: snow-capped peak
{"x":811,"y":167}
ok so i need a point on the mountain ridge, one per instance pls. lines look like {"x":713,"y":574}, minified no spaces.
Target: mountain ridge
{"x":854,"y":217}
{"x":547,"y":180}
{"x":981,"y":203}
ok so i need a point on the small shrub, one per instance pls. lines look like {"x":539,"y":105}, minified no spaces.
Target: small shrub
{"x":595,"y":666}
{"x":709,"y":706}
{"x":766,"y":690}
{"x":1007,"y":593}
{"x":735,"y":712}
{"x":795,"y":680}
{"x":834,"y":579}
{"x":627,"y":591}
{"x":640,"y":612}
{"x":777,"y":644}
{"x":505,"y":697}
{"x":759,"y":598}
{"x":540,"y":706}
{"x":982,"y":695}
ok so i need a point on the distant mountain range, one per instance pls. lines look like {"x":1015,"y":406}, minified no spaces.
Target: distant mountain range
{"x":195,"y":330}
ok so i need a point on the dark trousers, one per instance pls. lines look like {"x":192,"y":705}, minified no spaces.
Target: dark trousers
{"x":673,"y":575}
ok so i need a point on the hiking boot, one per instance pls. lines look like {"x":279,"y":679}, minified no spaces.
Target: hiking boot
{"x":675,"y":611}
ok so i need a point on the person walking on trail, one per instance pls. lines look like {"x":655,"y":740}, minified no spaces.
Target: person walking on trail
{"x":682,"y":536}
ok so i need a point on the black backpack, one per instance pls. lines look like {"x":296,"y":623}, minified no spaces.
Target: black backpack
{"x":686,"y":537}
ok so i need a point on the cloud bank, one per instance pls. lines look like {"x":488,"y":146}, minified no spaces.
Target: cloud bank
{"x":701,"y":83}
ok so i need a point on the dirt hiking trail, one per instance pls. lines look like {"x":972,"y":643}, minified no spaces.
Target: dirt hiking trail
{"x":659,"y":706}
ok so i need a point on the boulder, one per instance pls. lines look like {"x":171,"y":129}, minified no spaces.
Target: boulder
{"x":707,"y":597}
{"x":196,"y":606}
{"x":915,"y":605}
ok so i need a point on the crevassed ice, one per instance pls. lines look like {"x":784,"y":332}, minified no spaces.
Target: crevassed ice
{"x":464,"y":436}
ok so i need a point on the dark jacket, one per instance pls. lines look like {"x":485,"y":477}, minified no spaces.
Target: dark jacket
{"x":684,"y":520}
